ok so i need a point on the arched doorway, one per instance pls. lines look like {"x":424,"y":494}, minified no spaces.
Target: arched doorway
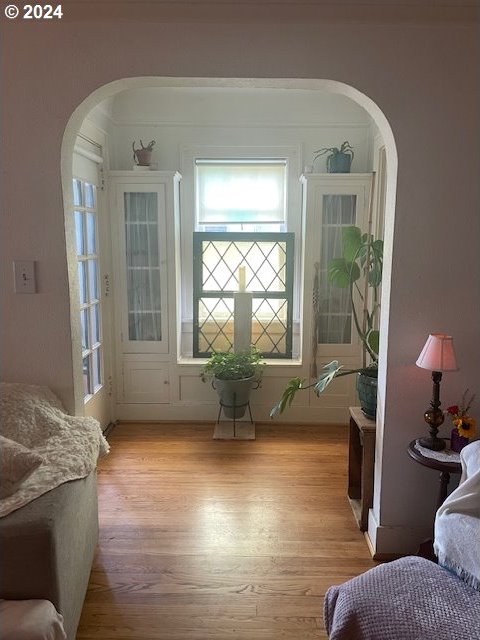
{"x":325,"y":86}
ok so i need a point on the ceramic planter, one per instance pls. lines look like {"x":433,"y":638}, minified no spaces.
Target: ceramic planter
{"x":234,"y":395}
{"x":367,"y":394}
{"x":339,"y":163}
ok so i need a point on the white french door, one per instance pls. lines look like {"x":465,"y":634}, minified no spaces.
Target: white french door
{"x":90,"y":233}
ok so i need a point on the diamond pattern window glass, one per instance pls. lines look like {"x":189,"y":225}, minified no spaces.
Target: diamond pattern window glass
{"x":268,"y":259}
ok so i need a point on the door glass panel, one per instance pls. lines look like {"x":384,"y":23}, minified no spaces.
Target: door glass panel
{"x":144,"y":326}
{"x":87,"y":386}
{"x":79,"y":233}
{"x":96,"y":371}
{"x":84,"y":326}
{"x":77,"y":193}
{"x":82,"y":282}
{"x":142,"y":245}
{"x":335,"y":318}
{"x":92,"y":279}
{"x":89,"y":195}
{"x":141,"y":207}
{"x":91,"y":234}
{"x":143,"y":266}
{"x":95,"y":323}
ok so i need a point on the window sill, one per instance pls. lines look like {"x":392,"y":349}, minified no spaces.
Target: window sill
{"x":294,"y":362}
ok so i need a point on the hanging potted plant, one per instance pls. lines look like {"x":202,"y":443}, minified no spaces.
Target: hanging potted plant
{"x":340,"y":159}
{"x":362,"y":258}
{"x":233,"y":377}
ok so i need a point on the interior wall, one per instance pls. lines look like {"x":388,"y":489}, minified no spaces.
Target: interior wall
{"x":415,"y":73}
{"x":176,"y":117}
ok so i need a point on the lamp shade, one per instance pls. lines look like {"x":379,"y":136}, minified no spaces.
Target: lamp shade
{"x":438,"y":353}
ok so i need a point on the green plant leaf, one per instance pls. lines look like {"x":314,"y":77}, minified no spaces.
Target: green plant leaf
{"x":233,"y":366}
{"x":373,"y":340}
{"x":351,"y":242}
{"x":375,"y":276}
{"x":331,"y":370}
{"x":288,"y":395}
{"x":377,"y":249}
{"x":341,"y":273}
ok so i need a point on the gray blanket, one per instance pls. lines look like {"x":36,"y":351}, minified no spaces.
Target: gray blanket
{"x":408,"y":599}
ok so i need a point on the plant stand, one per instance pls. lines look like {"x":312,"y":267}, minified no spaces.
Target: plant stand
{"x":231,"y":429}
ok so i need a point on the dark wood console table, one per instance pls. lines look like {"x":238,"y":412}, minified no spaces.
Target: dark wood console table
{"x":445,"y":468}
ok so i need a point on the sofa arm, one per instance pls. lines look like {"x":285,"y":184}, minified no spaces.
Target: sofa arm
{"x":47,"y":548}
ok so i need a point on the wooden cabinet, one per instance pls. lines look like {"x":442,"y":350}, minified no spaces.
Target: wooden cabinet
{"x":361,"y":460}
{"x":143,"y":216}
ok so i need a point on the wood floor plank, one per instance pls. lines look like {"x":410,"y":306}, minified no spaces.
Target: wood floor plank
{"x":219,"y":540}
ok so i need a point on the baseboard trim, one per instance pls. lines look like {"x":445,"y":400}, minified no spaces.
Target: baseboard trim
{"x":381,"y":557}
{"x":109,"y":428}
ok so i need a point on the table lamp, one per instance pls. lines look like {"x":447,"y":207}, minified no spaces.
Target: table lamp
{"x":437,"y":356}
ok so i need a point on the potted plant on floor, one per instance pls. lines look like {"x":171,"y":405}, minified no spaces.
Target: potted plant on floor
{"x":233,"y":377}
{"x":362,"y":258}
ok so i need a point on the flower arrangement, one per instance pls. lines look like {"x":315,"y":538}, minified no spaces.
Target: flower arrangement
{"x":462,"y":422}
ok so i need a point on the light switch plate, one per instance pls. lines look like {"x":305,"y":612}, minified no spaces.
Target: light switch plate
{"x":24,"y":276}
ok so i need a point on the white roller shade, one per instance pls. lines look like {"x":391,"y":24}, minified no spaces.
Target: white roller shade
{"x":240,"y":191}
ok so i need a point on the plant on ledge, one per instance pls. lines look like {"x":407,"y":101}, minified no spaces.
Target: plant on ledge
{"x":362,"y":258}
{"x":339,"y":160}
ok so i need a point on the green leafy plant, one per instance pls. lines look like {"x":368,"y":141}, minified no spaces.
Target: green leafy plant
{"x":226,"y":365}
{"x":361,"y":263}
{"x":345,"y":148}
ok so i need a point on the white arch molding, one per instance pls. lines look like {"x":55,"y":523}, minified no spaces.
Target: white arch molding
{"x":74,"y":124}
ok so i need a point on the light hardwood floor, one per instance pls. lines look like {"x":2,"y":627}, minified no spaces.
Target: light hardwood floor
{"x":220,"y":540}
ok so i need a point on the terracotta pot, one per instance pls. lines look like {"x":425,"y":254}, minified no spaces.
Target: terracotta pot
{"x":143,"y":157}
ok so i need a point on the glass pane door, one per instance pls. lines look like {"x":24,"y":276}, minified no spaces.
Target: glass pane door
{"x":86,"y":234}
{"x":145,"y":327}
{"x":335,"y":317}
{"x":143,"y":267}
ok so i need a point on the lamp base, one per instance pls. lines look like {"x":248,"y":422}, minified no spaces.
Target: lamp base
{"x":433,"y":443}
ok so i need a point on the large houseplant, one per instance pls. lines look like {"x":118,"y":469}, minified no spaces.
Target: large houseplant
{"x":361,"y":263}
{"x":233,"y":376}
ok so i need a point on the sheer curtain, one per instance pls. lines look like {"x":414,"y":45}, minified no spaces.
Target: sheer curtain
{"x":335,"y":317}
{"x":143,"y":266}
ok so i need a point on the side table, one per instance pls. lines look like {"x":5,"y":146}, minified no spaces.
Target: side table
{"x":446,"y":467}
{"x":361,"y":459}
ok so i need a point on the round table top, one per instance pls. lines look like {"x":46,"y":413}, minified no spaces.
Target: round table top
{"x":432,"y":463}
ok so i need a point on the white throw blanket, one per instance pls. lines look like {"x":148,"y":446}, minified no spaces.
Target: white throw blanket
{"x":70,"y":446}
{"x":457,"y":524}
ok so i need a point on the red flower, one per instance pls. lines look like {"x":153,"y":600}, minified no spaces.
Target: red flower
{"x":453,"y":409}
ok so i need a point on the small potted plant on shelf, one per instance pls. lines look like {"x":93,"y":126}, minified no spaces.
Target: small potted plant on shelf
{"x":233,"y":377}
{"x":463,"y":425}
{"x":362,"y":257}
{"x":340,"y":159}
{"x":143,"y":156}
